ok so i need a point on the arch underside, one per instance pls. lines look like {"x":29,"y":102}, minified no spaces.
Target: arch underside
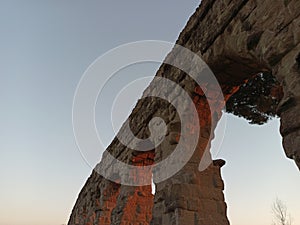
{"x":253,"y":49}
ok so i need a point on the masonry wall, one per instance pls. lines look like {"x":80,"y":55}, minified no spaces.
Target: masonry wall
{"x":238,"y":39}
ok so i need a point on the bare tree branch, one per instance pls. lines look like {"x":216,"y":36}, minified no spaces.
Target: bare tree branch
{"x":280,"y":213}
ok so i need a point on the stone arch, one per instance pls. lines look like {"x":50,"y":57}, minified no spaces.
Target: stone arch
{"x":238,"y":39}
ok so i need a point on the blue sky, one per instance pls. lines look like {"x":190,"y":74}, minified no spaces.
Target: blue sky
{"x":45,"y":47}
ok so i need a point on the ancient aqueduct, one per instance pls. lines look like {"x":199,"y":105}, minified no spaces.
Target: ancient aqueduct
{"x":253,"y":48}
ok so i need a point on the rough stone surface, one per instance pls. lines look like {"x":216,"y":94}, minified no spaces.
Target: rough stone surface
{"x":238,"y":39}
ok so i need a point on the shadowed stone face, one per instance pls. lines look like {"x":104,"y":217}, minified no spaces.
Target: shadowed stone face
{"x":289,"y":107}
{"x":253,"y":49}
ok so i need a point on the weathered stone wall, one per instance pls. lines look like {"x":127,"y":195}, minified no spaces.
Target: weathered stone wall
{"x":238,"y":39}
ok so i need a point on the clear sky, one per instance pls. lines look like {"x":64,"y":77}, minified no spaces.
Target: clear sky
{"x":45,"y":46}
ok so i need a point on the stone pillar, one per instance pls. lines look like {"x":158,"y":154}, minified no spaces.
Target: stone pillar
{"x":95,"y":202}
{"x":191,"y":196}
{"x":134,"y":204}
{"x":288,"y":73}
{"x":106,"y":203}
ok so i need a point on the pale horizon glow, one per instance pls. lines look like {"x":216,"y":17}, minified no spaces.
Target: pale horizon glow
{"x":45,"y":48}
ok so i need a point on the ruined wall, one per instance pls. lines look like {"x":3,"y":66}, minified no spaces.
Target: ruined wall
{"x":238,"y":39}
